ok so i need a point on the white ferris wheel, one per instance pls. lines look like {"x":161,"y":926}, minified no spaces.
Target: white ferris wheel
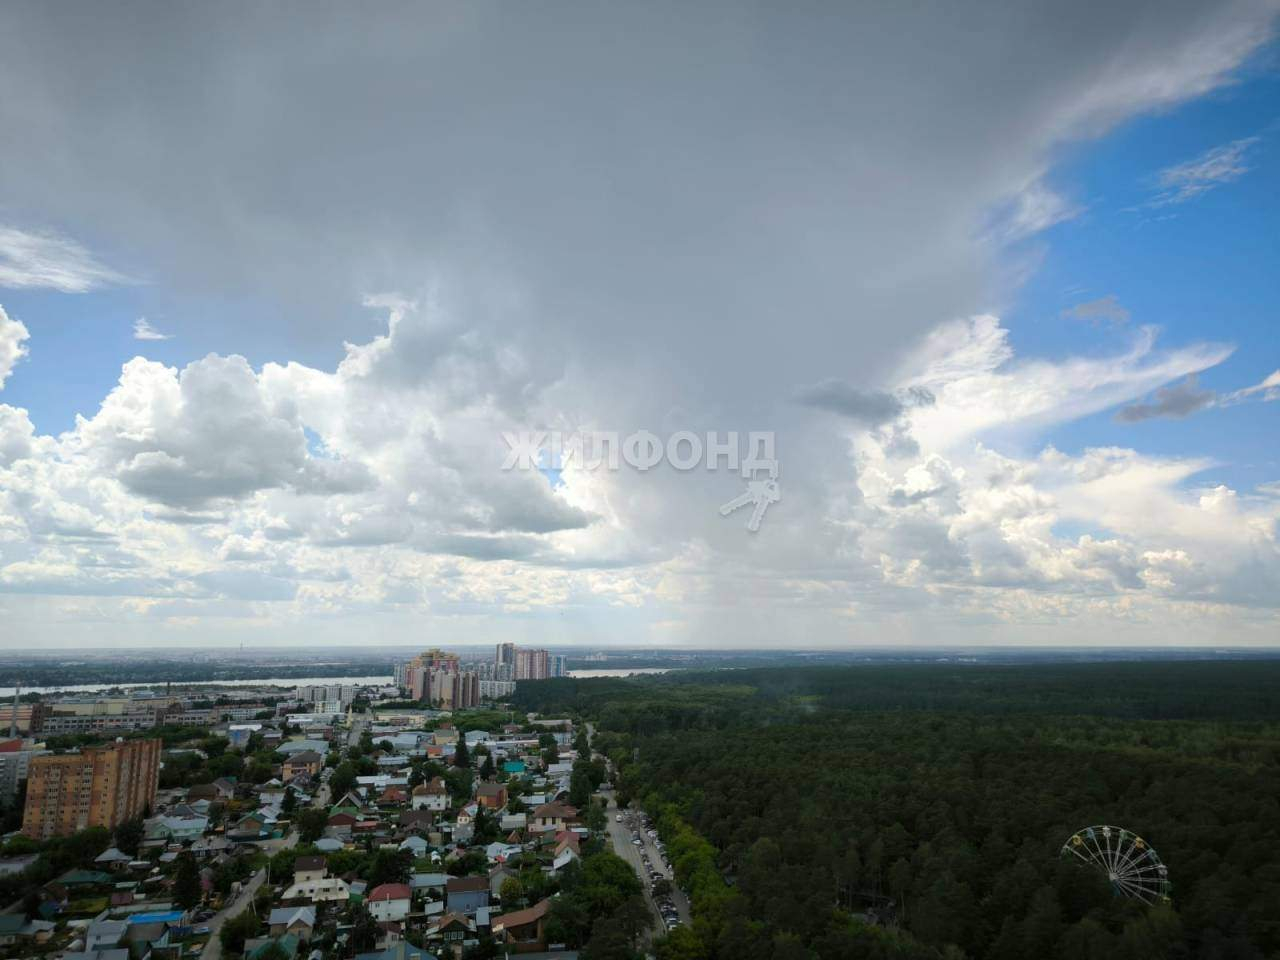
{"x":1133,"y":867}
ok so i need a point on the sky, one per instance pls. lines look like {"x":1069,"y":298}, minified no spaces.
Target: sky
{"x":279,"y":283}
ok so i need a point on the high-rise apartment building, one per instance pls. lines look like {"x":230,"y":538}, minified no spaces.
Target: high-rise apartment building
{"x":526,"y":663}
{"x":97,"y":787}
{"x":437,"y":677}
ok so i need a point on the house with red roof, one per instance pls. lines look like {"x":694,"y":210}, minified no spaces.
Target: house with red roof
{"x":389,"y":902}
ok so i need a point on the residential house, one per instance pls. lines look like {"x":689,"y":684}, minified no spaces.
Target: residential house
{"x":112,"y":859}
{"x":209,"y":791}
{"x":498,"y":852}
{"x":213,"y":846}
{"x":340,"y":826}
{"x":308,"y":869}
{"x":513,"y":821}
{"x":524,"y":930}
{"x":451,"y":928}
{"x":290,"y":747}
{"x":393,"y":797}
{"x":398,"y":951}
{"x":416,"y":846}
{"x":175,"y":829}
{"x":415,"y":821}
{"x":466,"y":894}
{"x":304,"y":762}
{"x":432,"y":795}
{"x":298,"y":921}
{"x":389,"y":902}
{"x":101,"y":934}
{"x":249,"y":828}
{"x":145,"y":937}
{"x":491,"y":796}
{"x":499,"y":873}
{"x":258,"y":947}
{"x":311,"y":881}
{"x":567,"y":856}
{"x":553,"y":816}
{"x":429,"y":883}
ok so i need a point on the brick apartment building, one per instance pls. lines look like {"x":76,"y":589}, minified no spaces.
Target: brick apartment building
{"x":97,"y":787}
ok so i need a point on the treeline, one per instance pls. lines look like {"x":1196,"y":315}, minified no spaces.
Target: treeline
{"x":881,"y":811}
{"x":1155,"y":690}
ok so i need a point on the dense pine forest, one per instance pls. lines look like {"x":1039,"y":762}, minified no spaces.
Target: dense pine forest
{"x":919,"y":811}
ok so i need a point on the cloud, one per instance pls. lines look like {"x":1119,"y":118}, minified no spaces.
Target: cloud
{"x":1174,"y":402}
{"x":1035,"y":209}
{"x":980,"y":389}
{"x":1212,"y":169}
{"x":777,"y":200}
{"x":206,"y":433}
{"x":12,"y":335}
{"x":1186,"y":398}
{"x":48,"y":261}
{"x":1269,"y":388}
{"x":143,"y":330}
{"x":1106,"y":309}
{"x":868,"y":407}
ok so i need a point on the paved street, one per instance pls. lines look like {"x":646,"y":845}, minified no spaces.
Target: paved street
{"x":620,"y":833}
{"x":213,"y":949}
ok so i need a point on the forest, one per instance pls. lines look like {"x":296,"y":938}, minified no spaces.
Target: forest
{"x":919,"y":811}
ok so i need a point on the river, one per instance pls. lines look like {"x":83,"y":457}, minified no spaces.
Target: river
{"x":587,"y":674}
{"x":213,"y":684}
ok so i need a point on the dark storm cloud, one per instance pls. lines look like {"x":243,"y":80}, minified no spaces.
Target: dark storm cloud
{"x":869,"y":408}
{"x":703,"y":207}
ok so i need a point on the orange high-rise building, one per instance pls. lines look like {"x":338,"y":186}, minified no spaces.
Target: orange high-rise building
{"x":97,"y":787}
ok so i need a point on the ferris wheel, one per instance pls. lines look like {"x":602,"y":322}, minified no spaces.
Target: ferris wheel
{"x":1132,"y":866}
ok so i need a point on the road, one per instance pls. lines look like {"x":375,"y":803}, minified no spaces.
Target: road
{"x":358,"y":722}
{"x":620,"y":835}
{"x":213,"y":949}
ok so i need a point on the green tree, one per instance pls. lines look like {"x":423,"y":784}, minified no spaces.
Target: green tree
{"x":461,"y":758}
{"x":682,"y":943}
{"x":186,"y":882}
{"x":364,"y":932}
{"x":236,"y":931}
{"x":511,"y":891}
{"x":128,"y":835}
{"x":311,"y":823}
{"x":633,"y":918}
{"x":608,"y":942}
{"x":342,"y":779}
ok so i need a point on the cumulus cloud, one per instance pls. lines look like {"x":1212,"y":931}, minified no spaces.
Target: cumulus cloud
{"x":13,"y":334}
{"x":47,"y":261}
{"x":778,"y":200}
{"x":361,"y":489}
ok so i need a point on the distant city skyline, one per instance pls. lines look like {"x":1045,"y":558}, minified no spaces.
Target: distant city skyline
{"x":265,"y":324}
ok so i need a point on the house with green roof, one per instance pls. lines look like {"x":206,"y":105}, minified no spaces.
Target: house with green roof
{"x":258,"y":947}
